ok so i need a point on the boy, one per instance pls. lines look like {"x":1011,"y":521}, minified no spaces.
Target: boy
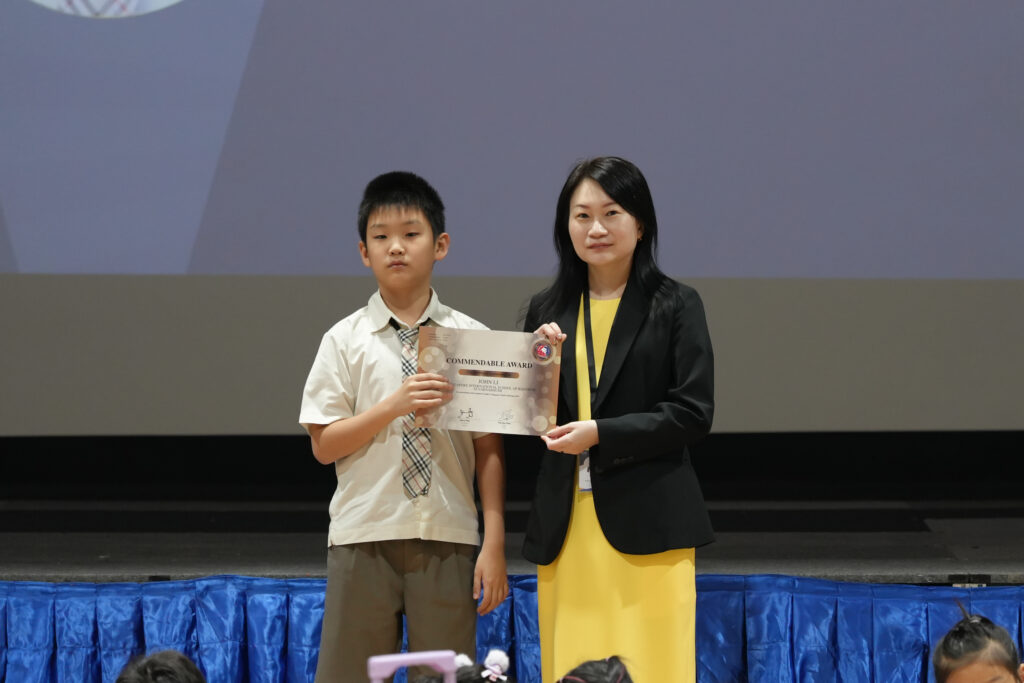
{"x":403,"y":517}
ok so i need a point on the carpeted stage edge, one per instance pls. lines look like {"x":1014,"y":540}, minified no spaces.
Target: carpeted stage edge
{"x":755,"y":629}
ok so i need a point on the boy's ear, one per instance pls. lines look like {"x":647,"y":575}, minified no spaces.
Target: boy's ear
{"x":363,"y":253}
{"x":441,"y":245}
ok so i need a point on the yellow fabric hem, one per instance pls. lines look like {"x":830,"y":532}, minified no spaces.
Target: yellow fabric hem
{"x":594,"y":602}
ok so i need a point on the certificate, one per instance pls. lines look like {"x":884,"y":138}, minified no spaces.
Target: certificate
{"x":505,"y":382}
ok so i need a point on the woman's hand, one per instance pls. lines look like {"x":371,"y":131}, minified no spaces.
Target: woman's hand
{"x":572,"y":438}
{"x":551,"y":331}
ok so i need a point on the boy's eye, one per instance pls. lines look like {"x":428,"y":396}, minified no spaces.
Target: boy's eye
{"x":411,"y":234}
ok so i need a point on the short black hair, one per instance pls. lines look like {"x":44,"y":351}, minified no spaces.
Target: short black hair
{"x":401,"y":189}
{"x":974,"y":638}
{"x":167,"y":666}
{"x":610,"y":670}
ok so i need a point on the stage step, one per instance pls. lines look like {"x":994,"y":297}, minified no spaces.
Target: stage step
{"x":922,"y":542}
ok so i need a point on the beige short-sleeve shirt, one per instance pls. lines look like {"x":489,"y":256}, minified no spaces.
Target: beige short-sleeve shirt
{"x":358,"y":365}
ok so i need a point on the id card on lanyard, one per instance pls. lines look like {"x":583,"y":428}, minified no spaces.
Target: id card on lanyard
{"x":584,"y":461}
{"x":584,"y":470}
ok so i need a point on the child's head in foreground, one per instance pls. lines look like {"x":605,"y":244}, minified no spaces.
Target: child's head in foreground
{"x":168,"y":666}
{"x":491,"y":671}
{"x":976,"y":650}
{"x":610,"y":670}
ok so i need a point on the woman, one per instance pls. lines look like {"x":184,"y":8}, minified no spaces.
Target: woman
{"x":617,"y":509}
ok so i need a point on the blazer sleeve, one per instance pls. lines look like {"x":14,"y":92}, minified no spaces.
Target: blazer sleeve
{"x":683,"y":412}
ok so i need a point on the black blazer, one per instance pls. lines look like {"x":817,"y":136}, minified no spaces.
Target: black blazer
{"x":655,"y":396}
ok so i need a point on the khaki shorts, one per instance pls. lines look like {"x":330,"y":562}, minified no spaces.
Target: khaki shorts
{"x":371,"y":585}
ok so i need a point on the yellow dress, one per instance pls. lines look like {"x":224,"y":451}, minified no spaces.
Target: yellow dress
{"x":593,"y":601}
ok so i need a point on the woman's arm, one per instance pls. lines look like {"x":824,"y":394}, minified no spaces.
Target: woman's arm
{"x":684,"y":414}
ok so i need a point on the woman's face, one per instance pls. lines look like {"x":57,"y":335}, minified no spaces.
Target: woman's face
{"x":984,"y":672}
{"x":602,"y":233}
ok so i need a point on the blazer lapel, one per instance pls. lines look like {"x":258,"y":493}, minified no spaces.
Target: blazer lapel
{"x":567,"y":322}
{"x":629,"y":317}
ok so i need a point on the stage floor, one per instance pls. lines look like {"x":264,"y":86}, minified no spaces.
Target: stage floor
{"x":928,"y":542}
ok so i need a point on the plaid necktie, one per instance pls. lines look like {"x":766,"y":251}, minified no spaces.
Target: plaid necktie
{"x":415,"y":440}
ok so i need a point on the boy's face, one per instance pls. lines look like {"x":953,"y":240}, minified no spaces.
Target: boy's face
{"x":400,"y":248}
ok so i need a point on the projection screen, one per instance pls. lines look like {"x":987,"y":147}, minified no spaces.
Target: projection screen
{"x":841,"y":182}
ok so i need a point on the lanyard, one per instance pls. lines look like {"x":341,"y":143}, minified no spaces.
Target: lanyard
{"x":590,"y":350}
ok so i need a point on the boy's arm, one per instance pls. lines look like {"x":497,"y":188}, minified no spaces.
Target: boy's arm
{"x":344,"y":437}
{"x":490,"y":578}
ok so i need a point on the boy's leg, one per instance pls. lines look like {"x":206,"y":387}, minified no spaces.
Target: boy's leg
{"x":362,"y":610}
{"x":439,"y":607}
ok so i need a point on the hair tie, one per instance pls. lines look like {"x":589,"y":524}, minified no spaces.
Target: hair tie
{"x":492,"y":674}
{"x":495,"y":665}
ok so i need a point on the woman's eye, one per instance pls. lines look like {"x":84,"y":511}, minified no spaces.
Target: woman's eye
{"x":581,"y":216}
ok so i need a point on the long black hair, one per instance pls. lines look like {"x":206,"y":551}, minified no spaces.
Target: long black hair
{"x":623,"y":182}
{"x":971,"y":639}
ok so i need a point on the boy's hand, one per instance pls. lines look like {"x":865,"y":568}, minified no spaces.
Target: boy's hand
{"x":490,"y":579}
{"x":423,"y":390}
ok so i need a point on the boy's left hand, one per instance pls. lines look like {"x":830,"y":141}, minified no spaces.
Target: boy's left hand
{"x":490,"y":580}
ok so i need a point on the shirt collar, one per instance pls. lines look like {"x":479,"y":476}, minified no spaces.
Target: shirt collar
{"x":381,"y":315}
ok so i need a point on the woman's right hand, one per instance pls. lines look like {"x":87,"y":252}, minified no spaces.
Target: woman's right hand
{"x":551,"y":331}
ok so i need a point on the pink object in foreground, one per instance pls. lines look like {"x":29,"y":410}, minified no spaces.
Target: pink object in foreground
{"x":442,"y":661}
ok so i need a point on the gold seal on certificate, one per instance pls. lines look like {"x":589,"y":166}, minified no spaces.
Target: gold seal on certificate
{"x":505,"y":382}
